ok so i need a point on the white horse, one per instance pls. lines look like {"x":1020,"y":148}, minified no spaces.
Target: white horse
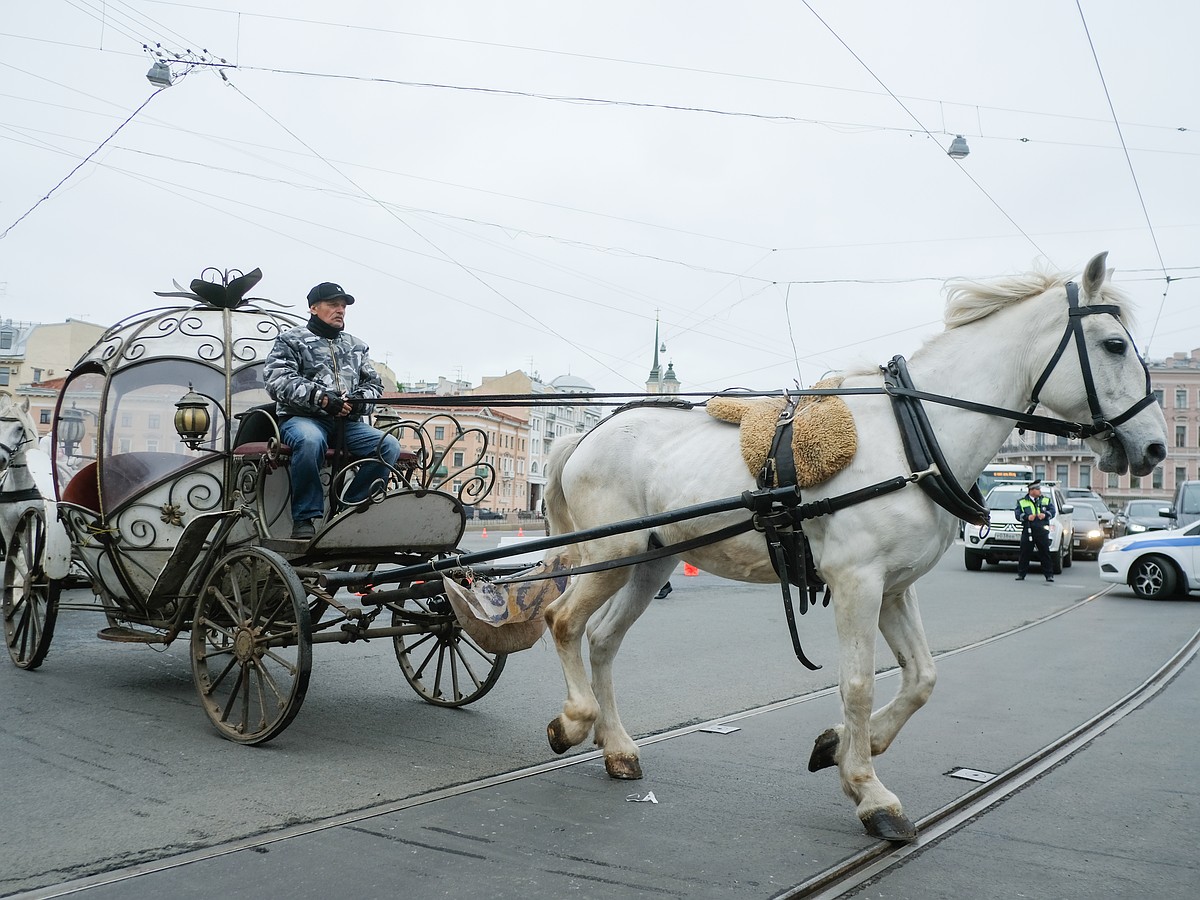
{"x":37,"y":550}
{"x":999,"y":339}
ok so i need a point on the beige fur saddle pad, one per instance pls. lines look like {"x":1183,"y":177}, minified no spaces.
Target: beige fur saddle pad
{"x":823,"y":434}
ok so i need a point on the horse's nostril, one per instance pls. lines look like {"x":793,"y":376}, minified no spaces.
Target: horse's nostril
{"x":1157,"y":452}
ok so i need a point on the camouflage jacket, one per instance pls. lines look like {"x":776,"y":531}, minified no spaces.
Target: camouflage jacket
{"x":303,"y":367}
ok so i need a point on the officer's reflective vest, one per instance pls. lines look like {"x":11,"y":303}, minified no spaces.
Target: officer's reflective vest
{"x":1029,"y":507}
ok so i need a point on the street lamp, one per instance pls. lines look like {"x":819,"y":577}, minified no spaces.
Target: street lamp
{"x":159,"y":74}
{"x":958,"y":148}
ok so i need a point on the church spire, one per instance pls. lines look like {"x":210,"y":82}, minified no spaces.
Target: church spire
{"x":654,"y":380}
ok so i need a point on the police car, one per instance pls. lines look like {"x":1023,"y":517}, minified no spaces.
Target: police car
{"x":1156,"y":564}
{"x":1001,"y":541}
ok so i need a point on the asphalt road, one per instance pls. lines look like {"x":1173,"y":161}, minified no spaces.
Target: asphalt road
{"x":110,"y":760}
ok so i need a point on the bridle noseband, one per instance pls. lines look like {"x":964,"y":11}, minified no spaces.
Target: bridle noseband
{"x":1101,"y":425}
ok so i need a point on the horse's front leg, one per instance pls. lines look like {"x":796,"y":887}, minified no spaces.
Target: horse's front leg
{"x":567,"y":617}
{"x":857,"y":613}
{"x":900,"y":623}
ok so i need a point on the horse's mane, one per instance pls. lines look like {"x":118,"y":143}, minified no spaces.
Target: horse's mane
{"x":968,"y":300}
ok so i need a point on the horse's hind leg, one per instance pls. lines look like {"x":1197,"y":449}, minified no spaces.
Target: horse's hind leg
{"x":605,"y":633}
{"x":566,"y":617}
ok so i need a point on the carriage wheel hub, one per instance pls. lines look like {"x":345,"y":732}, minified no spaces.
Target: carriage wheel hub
{"x":243,"y":644}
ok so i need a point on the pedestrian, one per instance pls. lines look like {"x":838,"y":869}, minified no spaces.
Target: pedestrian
{"x":321,"y":376}
{"x":1034,"y":512}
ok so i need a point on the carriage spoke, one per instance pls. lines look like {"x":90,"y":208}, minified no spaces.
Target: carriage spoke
{"x":30,"y":600}
{"x":268,"y":643}
{"x":461,"y":667}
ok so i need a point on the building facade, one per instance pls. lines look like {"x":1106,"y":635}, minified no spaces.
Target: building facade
{"x":1176,"y":384}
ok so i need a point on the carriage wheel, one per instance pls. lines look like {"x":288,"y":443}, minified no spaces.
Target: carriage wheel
{"x":251,"y":645}
{"x":30,"y":598}
{"x":443,"y":665}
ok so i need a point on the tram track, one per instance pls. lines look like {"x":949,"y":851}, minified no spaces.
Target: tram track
{"x":854,"y":871}
{"x":872,"y":862}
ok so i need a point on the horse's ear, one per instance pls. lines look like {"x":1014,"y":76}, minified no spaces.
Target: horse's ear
{"x":1094,"y":274}
{"x":25,"y":404}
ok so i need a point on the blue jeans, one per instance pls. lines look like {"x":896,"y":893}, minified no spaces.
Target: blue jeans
{"x":309,"y":438}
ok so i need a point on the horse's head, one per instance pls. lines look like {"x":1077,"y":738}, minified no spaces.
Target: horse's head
{"x":1095,"y":374}
{"x":16,"y":429}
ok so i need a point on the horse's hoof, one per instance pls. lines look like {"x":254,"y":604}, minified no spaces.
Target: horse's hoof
{"x":824,"y":751}
{"x":554,"y":734}
{"x":890,"y":826}
{"x":624,"y":766}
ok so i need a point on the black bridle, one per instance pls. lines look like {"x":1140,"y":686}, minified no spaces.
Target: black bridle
{"x":1101,"y":425}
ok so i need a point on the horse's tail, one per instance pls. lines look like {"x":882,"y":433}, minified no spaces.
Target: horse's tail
{"x":558,"y":512}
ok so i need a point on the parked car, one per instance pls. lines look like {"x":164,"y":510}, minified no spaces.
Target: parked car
{"x":1141,"y":515}
{"x":1089,"y":533}
{"x":1105,"y":516}
{"x":1001,"y":542}
{"x":1185,"y":509}
{"x":1086,"y":493}
{"x":481,"y":513}
{"x":1156,"y":564}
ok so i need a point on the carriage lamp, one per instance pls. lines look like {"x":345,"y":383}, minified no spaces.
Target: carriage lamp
{"x":71,"y":429}
{"x":958,"y":148}
{"x":192,"y":419}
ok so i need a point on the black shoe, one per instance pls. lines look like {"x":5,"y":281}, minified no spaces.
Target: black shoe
{"x":304,"y":530}
{"x":1019,"y":578}
{"x":663,"y":591}
{"x":1049,"y":579}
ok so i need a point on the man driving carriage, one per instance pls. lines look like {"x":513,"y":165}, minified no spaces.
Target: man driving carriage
{"x":322,"y":381}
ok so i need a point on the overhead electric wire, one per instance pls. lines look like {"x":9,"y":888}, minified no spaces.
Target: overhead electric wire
{"x":1132,"y":174}
{"x":633,"y":62}
{"x":81,"y":164}
{"x":927,"y":132}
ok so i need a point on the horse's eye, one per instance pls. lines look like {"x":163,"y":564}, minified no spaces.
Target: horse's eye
{"x":1115,"y":346}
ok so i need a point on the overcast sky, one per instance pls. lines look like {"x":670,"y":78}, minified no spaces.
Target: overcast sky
{"x":526,"y":185}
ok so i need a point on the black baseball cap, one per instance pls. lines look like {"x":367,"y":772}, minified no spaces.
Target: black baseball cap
{"x":327,"y":290}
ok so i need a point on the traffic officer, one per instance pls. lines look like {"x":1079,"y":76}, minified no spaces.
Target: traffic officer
{"x":1034,"y":512}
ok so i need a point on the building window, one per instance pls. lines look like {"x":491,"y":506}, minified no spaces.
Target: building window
{"x":1180,"y":435}
{"x":1156,"y":478}
{"x":3,"y":375}
{"x":1180,"y":475}
{"x":6,"y":339}
{"x":439,"y":432}
{"x":1085,"y":475}
{"x":1158,"y":395}
{"x":154,"y":423}
{"x":37,"y":376}
{"x":152,"y":445}
{"x":1061,"y":473}
{"x":123,"y":445}
{"x":1114,"y":481}
{"x":1135,"y":483}
{"x":1039,"y":472}
{"x":45,"y":417}
{"x":1181,"y":398}
{"x":458,"y":460}
{"x":126,"y":421}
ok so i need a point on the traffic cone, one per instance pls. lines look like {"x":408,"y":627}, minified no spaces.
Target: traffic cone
{"x":484,"y":531}
{"x":520,"y":531}
{"x":689,"y":569}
